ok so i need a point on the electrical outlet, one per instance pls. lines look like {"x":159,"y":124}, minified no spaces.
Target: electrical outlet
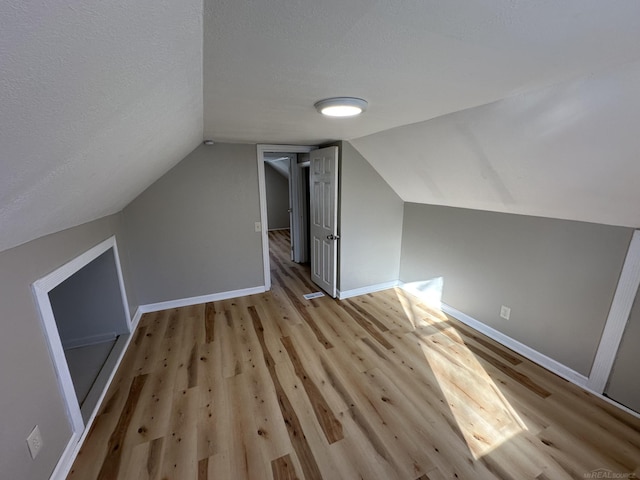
{"x":258,"y":227}
{"x":34,"y":441}
{"x":505,"y":312}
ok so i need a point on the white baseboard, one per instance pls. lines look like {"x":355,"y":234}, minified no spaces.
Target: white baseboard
{"x":75,"y":442}
{"x":524,"y":350}
{"x":368,"y":289}
{"x":214,"y":297}
{"x":86,"y":341}
{"x":136,"y":318}
{"x":73,"y":447}
{"x":613,"y":402}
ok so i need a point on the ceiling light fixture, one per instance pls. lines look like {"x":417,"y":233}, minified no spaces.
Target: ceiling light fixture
{"x":208,"y":142}
{"x":341,"y":106}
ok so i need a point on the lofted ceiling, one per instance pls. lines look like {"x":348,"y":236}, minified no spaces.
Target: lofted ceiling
{"x":569,"y":151}
{"x":266,"y":63}
{"x":99,"y":99}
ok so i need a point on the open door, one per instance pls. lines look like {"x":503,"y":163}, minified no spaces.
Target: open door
{"x":263,"y":154}
{"x":294,"y":219}
{"x":299,"y":209}
{"x":324,"y":218}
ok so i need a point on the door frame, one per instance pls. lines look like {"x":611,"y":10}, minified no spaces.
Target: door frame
{"x":301,"y":198}
{"x":262,"y":149}
{"x":293,"y":198}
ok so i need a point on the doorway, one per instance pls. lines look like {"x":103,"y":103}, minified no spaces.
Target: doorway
{"x":287,"y":190}
{"x":292,"y":159}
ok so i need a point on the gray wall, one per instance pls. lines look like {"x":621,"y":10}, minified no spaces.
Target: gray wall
{"x":624,"y":384}
{"x":192,"y":232}
{"x":277,"y":187}
{"x":557,"y":276}
{"x":370,"y":224}
{"x":88,"y":304}
{"x":29,"y":391}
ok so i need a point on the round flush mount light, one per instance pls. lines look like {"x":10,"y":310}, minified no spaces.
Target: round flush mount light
{"x":341,"y":106}
{"x":208,"y":142}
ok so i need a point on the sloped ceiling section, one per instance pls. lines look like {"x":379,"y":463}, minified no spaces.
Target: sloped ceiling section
{"x":97,"y":100}
{"x":266,"y":63}
{"x":570,"y":151}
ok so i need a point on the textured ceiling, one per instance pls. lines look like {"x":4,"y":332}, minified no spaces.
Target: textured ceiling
{"x":97,"y":100}
{"x":547,"y":95}
{"x":266,"y":63}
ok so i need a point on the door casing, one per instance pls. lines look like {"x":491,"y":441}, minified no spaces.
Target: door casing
{"x":263,"y":149}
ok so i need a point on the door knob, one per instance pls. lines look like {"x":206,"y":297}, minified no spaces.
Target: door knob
{"x":333,"y":237}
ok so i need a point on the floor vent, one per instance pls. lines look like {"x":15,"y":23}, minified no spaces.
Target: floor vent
{"x":309,"y":296}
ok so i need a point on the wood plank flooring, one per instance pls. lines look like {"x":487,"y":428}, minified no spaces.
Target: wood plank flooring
{"x":273,"y":386}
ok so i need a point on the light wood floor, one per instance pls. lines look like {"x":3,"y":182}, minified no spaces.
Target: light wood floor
{"x":374,"y":387}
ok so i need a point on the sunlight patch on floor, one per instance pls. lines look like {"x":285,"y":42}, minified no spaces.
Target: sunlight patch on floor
{"x":484,"y":416}
{"x":430,"y":292}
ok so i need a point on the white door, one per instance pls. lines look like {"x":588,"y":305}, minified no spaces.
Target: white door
{"x":299,"y":210}
{"x":323,"y":182}
{"x":293,"y":211}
